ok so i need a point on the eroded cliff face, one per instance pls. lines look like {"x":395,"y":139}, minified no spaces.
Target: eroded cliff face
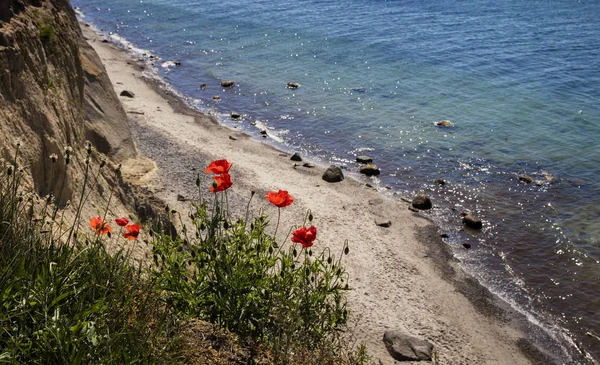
{"x":54,"y":92}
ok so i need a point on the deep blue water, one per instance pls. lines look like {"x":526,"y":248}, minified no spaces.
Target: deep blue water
{"x":520,"y":80}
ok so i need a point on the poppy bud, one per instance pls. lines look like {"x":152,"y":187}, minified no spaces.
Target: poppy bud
{"x":346,"y":286}
{"x":309,"y":252}
{"x":295,"y":252}
{"x":310,"y":217}
{"x":198,"y":180}
{"x":306,"y":271}
{"x":102,"y":163}
{"x":270,"y":250}
{"x":252,"y":193}
{"x":346,"y":250}
{"x":329,"y":260}
{"x":87,"y":160}
{"x":225,"y":225}
{"x":202,"y":226}
{"x":173,"y":211}
{"x":312,"y":278}
{"x":275,"y":245}
{"x":167,"y":209}
{"x":67,"y":159}
{"x":293,"y":266}
{"x":10,"y":170}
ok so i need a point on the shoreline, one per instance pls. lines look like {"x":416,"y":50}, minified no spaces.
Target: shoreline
{"x":402,"y":275}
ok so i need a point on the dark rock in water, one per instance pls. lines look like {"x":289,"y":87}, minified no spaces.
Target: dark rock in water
{"x":235,"y":115}
{"x":308,"y":165}
{"x":471,"y":221}
{"x":293,"y":85}
{"x":296,"y":157}
{"x":370,"y":170}
{"x":403,"y":347}
{"x":422,"y":202}
{"x":263,"y":132}
{"x":364,"y":159}
{"x":467,"y":245}
{"x":227,"y":83}
{"x":333,"y":174}
{"x":127,"y":93}
{"x":217,"y":98}
{"x":177,"y":63}
{"x":440,"y":182}
{"x":444,"y":235}
{"x":444,"y":123}
{"x":203,"y":86}
{"x":526,"y":179}
{"x":383,"y":223}
{"x":548,"y":177}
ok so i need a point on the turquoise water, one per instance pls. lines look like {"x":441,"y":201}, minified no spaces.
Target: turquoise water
{"x":521,"y":82}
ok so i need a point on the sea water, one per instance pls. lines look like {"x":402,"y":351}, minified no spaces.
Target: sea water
{"x":519,"y":80}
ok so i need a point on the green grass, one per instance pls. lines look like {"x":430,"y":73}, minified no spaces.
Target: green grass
{"x":66,"y":297}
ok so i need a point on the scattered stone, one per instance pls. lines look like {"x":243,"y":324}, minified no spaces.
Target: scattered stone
{"x":203,"y":86}
{"x":227,"y":83}
{"x":383,"y":223}
{"x":232,"y":138}
{"x":181,"y":198}
{"x":444,"y":123}
{"x":177,"y":63}
{"x":308,"y":165}
{"x":403,"y":347}
{"x":440,"y":182}
{"x":235,"y":115}
{"x":333,"y":174}
{"x":422,"y":202}
{"x":369,"y":185}
{"x":526,"y":179}
{"x":471,"y":221}
{"x":293,"y":85}
{"x":217,"y":98}
{"x":127,"y":93}
{"x":263,"y":132}
{"x":370,"y":170}
{"x":364,"y":159}
{"x":296,"y":157}
{"x":105,"y":41}
{"x":444,"y":235}
{"x":467,"y":245}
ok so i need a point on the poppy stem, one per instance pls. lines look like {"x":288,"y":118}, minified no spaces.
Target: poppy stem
{"x":81,"y":199}
{"x":248,"y":209}
{"x":277,"y":226}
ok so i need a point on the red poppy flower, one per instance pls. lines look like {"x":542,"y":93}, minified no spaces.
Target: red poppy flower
{"x":133,"y":230}
{"x":122,"y":222}
{"x":305,"y":236}
{"x":218,"y":167}
{"x":280,"y":199}
{"x":223,"y":182}
{"x":98,"y":225}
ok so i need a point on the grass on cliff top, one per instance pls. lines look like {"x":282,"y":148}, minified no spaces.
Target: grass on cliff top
{"x":222,"y":291}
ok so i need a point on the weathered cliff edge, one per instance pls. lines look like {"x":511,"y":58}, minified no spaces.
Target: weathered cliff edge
{"x":54,"y":92}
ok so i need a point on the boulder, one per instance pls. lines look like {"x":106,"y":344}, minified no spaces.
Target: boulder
{"x":217,"y":98}
{"x":235,"y":115}
{"x":293,"y":85}
{"x":526,"y":179}
{"x":364,"y":159}
{"x":370,"y":170}
{"x":444,"y":123}
{"x":308,"y":165}
{"x":403,"y":347}
{"x":471,"y":221}
{"x":333,"y":174}
{"x":296,"y":157}
{"x":203,"y":86}
{"x":227,"y":83}
{"x":422,"y":202}
{"x":127,"y":93}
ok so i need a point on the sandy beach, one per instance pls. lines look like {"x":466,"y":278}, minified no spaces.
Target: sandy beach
{"x":401,"y":276}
